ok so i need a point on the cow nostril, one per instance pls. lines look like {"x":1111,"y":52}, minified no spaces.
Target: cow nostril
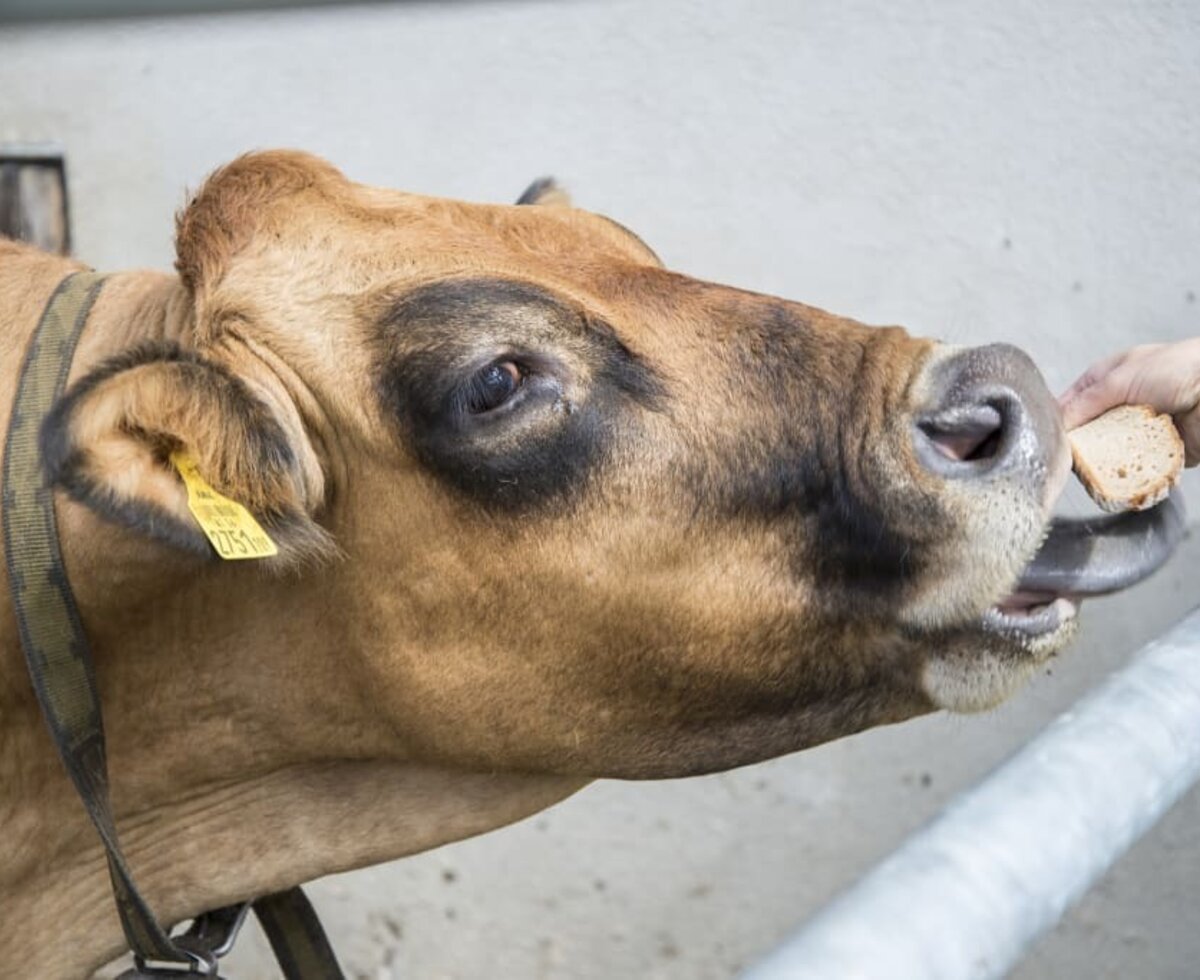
{"x":969,"y":434}
{"x":987,"y":415}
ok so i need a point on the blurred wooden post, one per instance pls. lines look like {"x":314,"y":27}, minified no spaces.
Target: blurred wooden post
{"x":33,"y":197}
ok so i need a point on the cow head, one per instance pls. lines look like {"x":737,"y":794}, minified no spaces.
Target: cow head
{"x":545,"y":505}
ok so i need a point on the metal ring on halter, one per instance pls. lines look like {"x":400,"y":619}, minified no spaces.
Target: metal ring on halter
{"x":215,"y":931}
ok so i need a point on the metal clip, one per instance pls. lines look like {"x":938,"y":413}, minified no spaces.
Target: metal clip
{"x":201,"y":966}
{"x":210,"y":937}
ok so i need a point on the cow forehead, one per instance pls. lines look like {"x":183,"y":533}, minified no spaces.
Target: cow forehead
{"x":284,"y":234}
{"x":321,"y":265}
{"x":550,"y":234}
{"x":286,"y":241}
{"x":272,"y":223}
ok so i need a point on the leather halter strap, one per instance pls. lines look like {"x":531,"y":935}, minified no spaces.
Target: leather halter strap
{"x":60,"y":666}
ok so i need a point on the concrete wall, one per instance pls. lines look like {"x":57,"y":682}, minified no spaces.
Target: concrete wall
{"x":1019,"y":171}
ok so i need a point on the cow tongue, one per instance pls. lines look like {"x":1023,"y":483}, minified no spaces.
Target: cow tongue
{"x":1094,"y":556}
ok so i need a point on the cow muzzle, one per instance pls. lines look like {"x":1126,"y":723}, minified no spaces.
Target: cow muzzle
{"x":992,"y":429}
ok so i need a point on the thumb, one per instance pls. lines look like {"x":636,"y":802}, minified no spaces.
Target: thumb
{"x":1082,"y":403}
{"x":1095,"y":374}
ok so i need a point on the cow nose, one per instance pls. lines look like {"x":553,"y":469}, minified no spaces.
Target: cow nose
{"x":989,"y":415}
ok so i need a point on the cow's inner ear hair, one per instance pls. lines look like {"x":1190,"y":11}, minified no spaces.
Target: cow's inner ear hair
{"x":545,"y":192}
{"x":107,"y":443}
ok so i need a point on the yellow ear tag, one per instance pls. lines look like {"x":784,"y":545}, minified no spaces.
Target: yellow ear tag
{"x":232,"y":529}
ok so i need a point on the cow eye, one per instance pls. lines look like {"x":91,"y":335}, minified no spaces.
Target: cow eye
{"x":493,"y":386}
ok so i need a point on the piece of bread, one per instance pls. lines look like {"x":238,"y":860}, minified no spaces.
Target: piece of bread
{"x":1128,"y":458}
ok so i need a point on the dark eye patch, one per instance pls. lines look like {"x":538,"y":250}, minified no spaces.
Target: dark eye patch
{"x":541,"y":444}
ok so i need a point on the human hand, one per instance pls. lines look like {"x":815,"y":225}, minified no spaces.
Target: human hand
{"x":1166,"y":376}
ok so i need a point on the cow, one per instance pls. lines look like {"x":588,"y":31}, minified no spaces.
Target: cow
{"x":545,"y":512}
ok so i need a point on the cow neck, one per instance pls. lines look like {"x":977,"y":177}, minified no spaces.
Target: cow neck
{"x":59,"y":660}
{"x":200,"y":852}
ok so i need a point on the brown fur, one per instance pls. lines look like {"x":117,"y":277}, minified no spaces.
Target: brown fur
{"x":701,"y":540}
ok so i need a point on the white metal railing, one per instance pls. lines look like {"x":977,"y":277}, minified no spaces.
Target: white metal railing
{"x":966,"y":896}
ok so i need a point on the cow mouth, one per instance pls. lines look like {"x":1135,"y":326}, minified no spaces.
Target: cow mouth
{"x":1087,"y":557}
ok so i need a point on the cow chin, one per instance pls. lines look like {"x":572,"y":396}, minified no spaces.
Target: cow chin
{"x":975,"y":670}
{"x":985,"y":639}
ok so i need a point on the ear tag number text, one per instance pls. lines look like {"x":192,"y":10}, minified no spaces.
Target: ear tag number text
{"x":232,"y":529}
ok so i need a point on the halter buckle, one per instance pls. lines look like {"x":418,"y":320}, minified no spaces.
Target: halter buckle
{"x":210,"y":936}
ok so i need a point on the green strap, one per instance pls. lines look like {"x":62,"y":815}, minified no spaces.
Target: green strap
{"x":51,"y":632}
{"x":59,"y":661}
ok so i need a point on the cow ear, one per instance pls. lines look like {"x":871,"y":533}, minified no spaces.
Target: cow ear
{"x":545,"y":191}
{"x":108,"y":443}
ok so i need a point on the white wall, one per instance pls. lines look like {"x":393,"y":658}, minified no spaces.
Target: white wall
{"x":1020,"y":171}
